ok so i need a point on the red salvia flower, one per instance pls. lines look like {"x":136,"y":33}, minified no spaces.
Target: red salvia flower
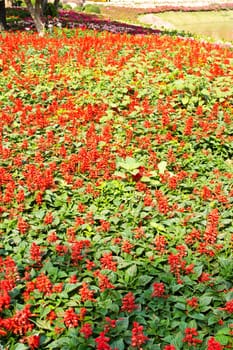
{"x":86,"y":293}
{"x":78,"y":250}
{"x":128,"y":303}
{"x":160,"y":243}
{"x":43,"y":284}
{"x":190,"y":333}
{"x":86,"y":330}
{"x":22,"y":225}
{"x":90,"y":265}
{"x":162,"y":202}
{"x":158,"y":289}
{"x":188,"y":126}
{"x":127,"y":246}
{"x":52,"y":237}
{"x":138,"y":338}
{"x":51,"y":316}
{"x":102,"y":342}
{"x":229,"y":306}
{"x":33,"y":341}
{"x":104,"y":282}
{"x":210,"y":234}
{"x":4,"y":300}
{"x":20,"y":323}
{"x":104,"y":225}
{"x":107,"y":262}
{"x":214,"y":344}
{"x":48,"y":219}
{"x":110,"y":324}
{"x":205,"y":277}
{"x":71,"y":319}
{"x":35,"y":252}
{"x":193,"y":302}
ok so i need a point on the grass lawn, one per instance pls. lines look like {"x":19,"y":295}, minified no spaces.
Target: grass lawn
{"x":212,"y":23}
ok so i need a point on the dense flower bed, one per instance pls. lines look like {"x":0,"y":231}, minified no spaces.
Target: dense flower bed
{"x":75,"y":19}
{"x":116,"y":192}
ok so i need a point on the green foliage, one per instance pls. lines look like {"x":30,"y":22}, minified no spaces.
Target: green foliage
{"x":51,"y":10}
{"x":92,"y":8}
{"x":116,"y":191}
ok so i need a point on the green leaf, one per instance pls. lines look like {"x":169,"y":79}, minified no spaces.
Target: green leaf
{"x":224,"y":330}
{"x":205,"y":300}
{"x":144,"y":280}
{"x":197,"y":316}
{"x":185,"y":100}
{"x":122,"y":324}
{"x":20,"y":347}
{"x":162,"y":166}
{"x":118,"y":344}
{"x":82,"y":347}
{"x":212,"y":320}
{"x":42,"y":324}
{"x":178,"y":341}
{"x":157,"y":226}
{"x":131,"y":271}
{"x":129,"y":164}
{"x":222,"y":339}
{"x":59,"y":342}
{"x":180,"y":306}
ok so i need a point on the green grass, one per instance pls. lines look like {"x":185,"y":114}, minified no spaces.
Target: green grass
{"x":216,"y":24}
{"x":212,"y":23}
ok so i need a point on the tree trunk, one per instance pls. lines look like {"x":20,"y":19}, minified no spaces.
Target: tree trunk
{"x":35,"y":13}
{"x":56,"y":3}
{"x":44,"y":4}
{"x":3,"y":24}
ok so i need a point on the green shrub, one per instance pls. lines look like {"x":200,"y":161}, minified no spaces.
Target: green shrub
{"x":78,"y":8}
{"x":51,"y":10}
{"x":92,"y":8}
{"x":67,"y":7}
{"x":16,"y":12}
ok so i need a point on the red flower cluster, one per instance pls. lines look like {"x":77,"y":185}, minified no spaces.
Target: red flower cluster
{"x":211,"y":232}
{"x":86,"y":330}
{"x":35,"y":252}
{"x":33,"y":341}
{"x":71,"y":319}
{"x":193,"y":302}
{"x":4,"y":299}
{"x":86,"y":293}
{"x":78,"y":249}
{"x":20,"y":323}
{"x":102,"y":342}
{"x":138,"y":338}
{"x":178,"y":264}
{"x":128,"y":303}
{"x":190,"y":333}
{"x":162,"y":202}
{"x":158,"y":289}
{"x":160,"y":243}
{"x":229,"y":306}
{"x":214,"y":344}
{"x":107,"y":262}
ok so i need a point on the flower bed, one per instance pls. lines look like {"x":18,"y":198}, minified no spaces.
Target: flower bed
{"x":75,"y":19}
{"x":116,"y":192}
